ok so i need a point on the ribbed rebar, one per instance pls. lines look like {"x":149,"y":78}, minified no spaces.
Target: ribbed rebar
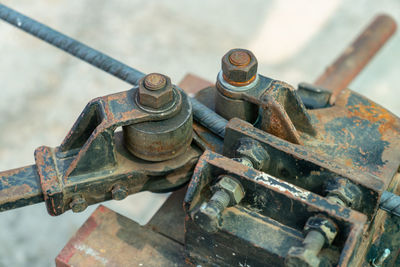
{"x":208,"y":118}
{"x":390,"y":202}
{"x":201,"y":113}
{"x":71,"y":46}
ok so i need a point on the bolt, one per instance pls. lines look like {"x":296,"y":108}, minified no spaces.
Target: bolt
{"x":239,"y":67}
{"x":155,"y":91}
{"x":78,"y":204}
{"x":378,"y":262}
{"x":343,"y":192}
{"x":154,"y":81}
{"x":119,"y":192}
{"x":253,"y":150}
{"x":228,"y":192}
{"x":306,"y":256}
{"x":240,"y":58}
{"x":320,"y":231}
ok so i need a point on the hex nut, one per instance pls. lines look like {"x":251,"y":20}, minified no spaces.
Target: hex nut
{"x":155,"y":97}
{"x":207,"y":217}
{"x":345,"y":190}
{"x":301,"y":257}
{"x":323,"y":225}
{"x":119,"y":192}
{"x":255,"y":152}
{"x":236,"y":67}
{"x":78,"y":204}
{"x":232,"y":187}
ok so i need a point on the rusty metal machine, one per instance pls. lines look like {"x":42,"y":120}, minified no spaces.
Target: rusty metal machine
{"x":264,"y":174}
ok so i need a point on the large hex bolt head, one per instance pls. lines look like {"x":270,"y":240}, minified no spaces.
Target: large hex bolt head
{"x":254,"y":151}
{"x":301,"y":257}
{"x":232,"y":187}
{"x":239,"y":66}
{"x":155,"y":91}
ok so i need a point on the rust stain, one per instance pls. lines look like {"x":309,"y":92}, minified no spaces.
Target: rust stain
{"x":15,"y":192}
{"x":375,"y":114}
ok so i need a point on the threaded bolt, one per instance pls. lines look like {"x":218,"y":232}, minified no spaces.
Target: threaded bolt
{"x":307,"y":254}
{"x":78,"y":204}
{"x":229,"y":193}
{"x":208,"y":215}
{"x":155,"y":81}
{"x":219,"y":201}
{"x":155,"y":91}
{"x":320,"y":231}
{"x":239,"y":67}
{"x":240,"y":58}
{"x":378,"y":262}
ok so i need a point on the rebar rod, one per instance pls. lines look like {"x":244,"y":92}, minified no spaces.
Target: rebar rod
{"x":71,"y":46}
{"x":201,"y":113}
{"x":208,"y":118}
{"x":390,"y":202}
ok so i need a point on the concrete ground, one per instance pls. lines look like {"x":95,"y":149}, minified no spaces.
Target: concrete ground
{"x":44,"y":90}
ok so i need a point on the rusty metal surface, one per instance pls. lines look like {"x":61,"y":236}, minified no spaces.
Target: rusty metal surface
{"x":93,"y":159}
{"x":302,"y":166}
{"x":358,"y":133}
{"x":166,"y":228}
{"x":239,"y":67}
{"x":169,"y":219}
{"x":355,"y":141}
{"x":20,"y":187}
{"x":267,"y":200}
{"x":271,"y":105}
{"x":109,"y":239}
{"x":382,"y":230}
{"x":78,"y":161}
{"x":384,"y":233}
{"x":95,"y":128}
{"x":339,"y":75}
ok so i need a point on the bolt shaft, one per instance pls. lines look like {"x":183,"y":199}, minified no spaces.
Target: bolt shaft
{"x":314,"y":241}
{"x":220,"y":200}
{"x":381,"y":259}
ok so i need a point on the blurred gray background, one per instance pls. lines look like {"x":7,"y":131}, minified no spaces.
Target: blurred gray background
{"x":44,"y":90}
